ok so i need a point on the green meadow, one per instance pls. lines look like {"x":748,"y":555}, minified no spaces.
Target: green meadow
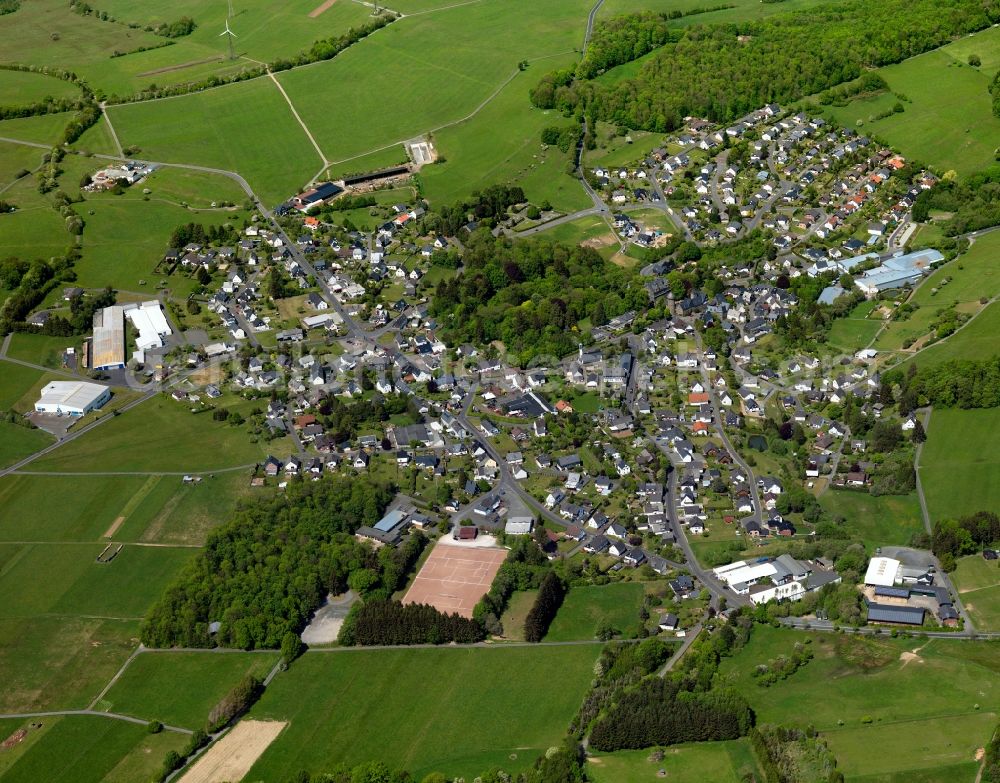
{"x":22,"y":87}
{"x":17,"y":442}
{"x":160,"y":435}
{"x":978,"y":583}
{"x":855,"y":330}
{"x":878,"y":520}
{"x":586,"y":609}
{"x":947,"y":120}
{"x":923,"y":705}
{"x":720,"y":762}
{"x":959,"y":464}
{"x":180,"y":688}
{"x":246,"y":127}
{"x":43,"y":129}
{"x":975,"y":340}
{"x":457,"y":711}
{"x":15,"y":158}
{"x":77,"y":748}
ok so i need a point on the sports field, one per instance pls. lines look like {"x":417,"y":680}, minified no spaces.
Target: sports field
{"x":926,"y":705}
{"x":960,"y":464}
{"x":959,"y":285}
{"x":586,"y":609}
{"x":161,"y":435}
{"x":978,"y":582}
{"x":454,"y":577}
{"x":457,"y":711}
{"x":947,"y":120}
{"x":181,"y":688}
{"x":719,"y":762}
{"x":79,"y":748}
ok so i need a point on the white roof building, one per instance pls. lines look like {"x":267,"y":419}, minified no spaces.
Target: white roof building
{"x":72,"y":398}
{"x":882,"y":572}
{"x":149,"y":320}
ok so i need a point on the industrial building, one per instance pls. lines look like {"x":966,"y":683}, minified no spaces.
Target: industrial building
{"x":149,"y":321}
{"x":897,"y":272}
{"x":72,"y":398}
{"x":107,"y":348}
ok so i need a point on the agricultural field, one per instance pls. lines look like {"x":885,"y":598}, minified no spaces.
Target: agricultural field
{"x":77,"y":748}
{"x":406,"y":706}
{"x":959,"y":284}
{"x":586,"y":609}
{"x":720,"y":762}
{"x":926,"y":705}
{"x":978,"y":582}
{"x":52,"y":662}
{"x":161,"y":435}
{"x":180,"y":688}
{"x":732,"y":11}
{"x":450,"y":76}
{"x":502,"y":144}
{"x":947,"y":122}
{"x":35,"y":230}
{"x":959,"y":464}
{"x":878,"y":520}
{"x":23,"y":87}
{"x":132,"y":509}
{"x":246,"y":127}
{"x":16,"y":158}
{"x":43,"y":129}
{"x":15,"y":382}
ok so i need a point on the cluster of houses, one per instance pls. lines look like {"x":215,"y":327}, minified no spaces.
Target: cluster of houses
{"x":127,"y":173}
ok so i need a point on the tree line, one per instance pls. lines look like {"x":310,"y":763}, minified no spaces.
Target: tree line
{"x":264,"y":572}
{"x":789,"y":755}
{"x":725,"y":70}
{"x":551,"y":593}
{"x":388,"y":622}
{"x":953,"y":538}
{"x":973,"y":202}
{"x":523,"y":569}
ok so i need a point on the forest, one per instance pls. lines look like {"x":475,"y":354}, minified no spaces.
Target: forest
{"x":957,"y":383}
{"x":973,"y":203}
{"x":967,"y":535}
{"x":382,"y":622}
{"x":264,"y":572}
{"x":724,"y":71}
{"x":531,"y":295}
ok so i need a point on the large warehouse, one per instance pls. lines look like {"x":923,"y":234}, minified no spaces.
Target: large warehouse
{"x":107,"y":349}
{"x":150,"y":322}
{"x":72,"y":398}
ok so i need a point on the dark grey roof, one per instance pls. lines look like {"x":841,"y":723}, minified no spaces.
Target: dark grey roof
{"x":882,"y":613}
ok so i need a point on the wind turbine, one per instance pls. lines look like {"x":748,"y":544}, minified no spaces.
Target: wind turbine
{"x":232,"y":35}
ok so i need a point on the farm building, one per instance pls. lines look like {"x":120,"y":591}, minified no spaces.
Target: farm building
{"x":902,"y":615}
{"x":316,"y":196}
{"x":149,"y":321}
{"x":72,"y":398}
{"x":107,"y":349}
{"x":882,"y":572}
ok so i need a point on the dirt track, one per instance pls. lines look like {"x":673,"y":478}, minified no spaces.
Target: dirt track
{"x":321,"y":8}
{"x":230,"y":759}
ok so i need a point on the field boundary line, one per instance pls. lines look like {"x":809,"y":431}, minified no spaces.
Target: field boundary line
{"x":118,"y":674}
{"x":298,"y":119}
{"x":114,"y":133}
{"x":231,"y":469}
{"x":90,"y":713}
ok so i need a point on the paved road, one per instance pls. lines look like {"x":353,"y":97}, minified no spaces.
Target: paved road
{"x":590,"y":23}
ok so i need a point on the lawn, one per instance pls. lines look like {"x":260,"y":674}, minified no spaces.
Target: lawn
{"x":876,"y":689}
{"x":35,"y":230}
{"x":15,"y":158}
{"x":947,"y":120}
{"x":40,"y":349}
{"x":960,"y":463}
{"x":879,"y":521}
{"x":60,"y":662}
{"x":161,"y":435}
{"x":245,"y":127}
{"x":97,"y":140}
{"x":15,"y":381}
{"x":719,"y":762}
{"x":83,"y":748}
{"x":22,"y":87}
{"x":959,"y":284}
{"x":180,"y":688}
{"x":592,"y":230}
{"x":457,"y":711}
{"x":978,"y":582}
{"x":517,"y":611}
{"x":586,"y":609}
